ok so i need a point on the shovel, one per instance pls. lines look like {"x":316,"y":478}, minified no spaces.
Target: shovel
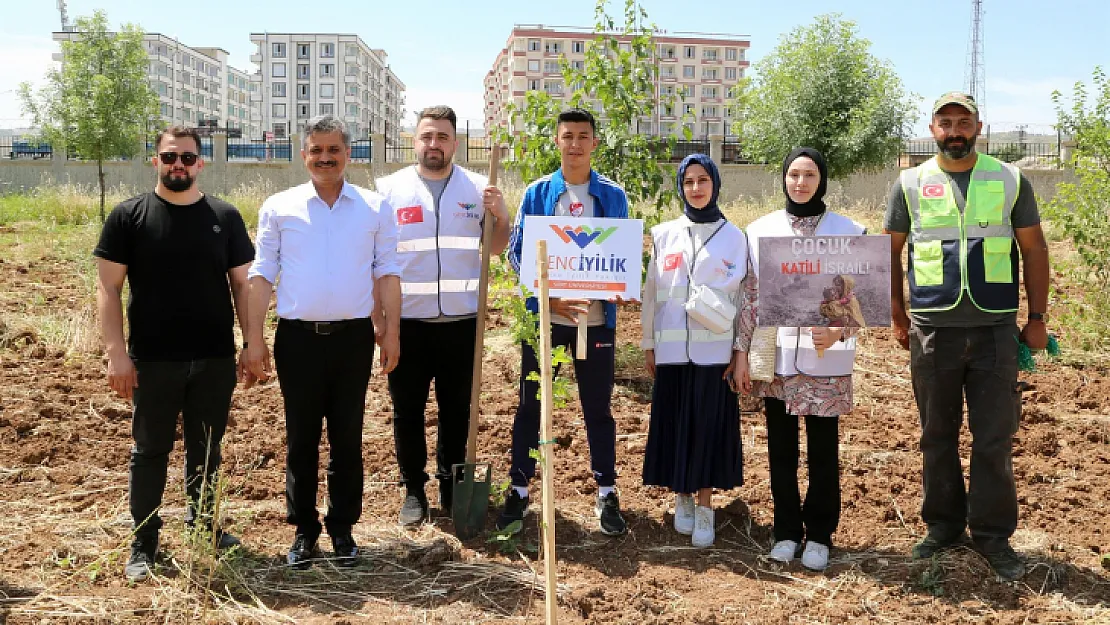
{"x":470,"y":497}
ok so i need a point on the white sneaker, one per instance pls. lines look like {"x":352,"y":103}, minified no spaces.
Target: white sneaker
{"x":784,"y":551}
{"x":815,"y":557}
{"x":684,"y":514}
{"x":703,"y":535}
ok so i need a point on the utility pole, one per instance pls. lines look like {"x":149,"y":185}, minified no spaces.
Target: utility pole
{"x":976,"y":74}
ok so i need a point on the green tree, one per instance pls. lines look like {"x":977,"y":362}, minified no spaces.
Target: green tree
{"x":1080,"y":207}
{"x":618,"y":82}
{"x":821,"y":87}
{"x":98,"y":103}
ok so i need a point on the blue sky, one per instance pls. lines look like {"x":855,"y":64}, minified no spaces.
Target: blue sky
{"x":442,"y":50}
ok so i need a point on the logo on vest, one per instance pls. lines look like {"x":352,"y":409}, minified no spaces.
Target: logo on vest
{"x":672,"y":261}
{"x":583,"y":235}
{"x":467,"y":211}
{"x":576,"y":209}
{"x":730,"y":268}
{"x":467,"y":206}
{"x":216,"y":229}
{"x":932,"y":190}
{"x":410,"y":215}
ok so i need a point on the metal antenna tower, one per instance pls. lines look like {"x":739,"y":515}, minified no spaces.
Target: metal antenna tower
{"x":66,"y":27}
{"x":976,"y":74}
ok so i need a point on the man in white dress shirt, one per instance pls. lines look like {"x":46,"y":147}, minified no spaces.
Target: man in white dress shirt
{"x":328,"y":241}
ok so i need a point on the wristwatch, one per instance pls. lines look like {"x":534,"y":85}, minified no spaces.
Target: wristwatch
{"x":1036,"y":316}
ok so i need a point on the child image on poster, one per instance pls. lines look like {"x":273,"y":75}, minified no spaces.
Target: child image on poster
{"x":840,"y":306}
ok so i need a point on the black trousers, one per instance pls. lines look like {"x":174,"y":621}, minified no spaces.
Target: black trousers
{"x":443,"y":352}
{"x":324,"y":377}
{"x":595,"y":389}
{"x":200,"y":391}
{"x":949,"y":365}
{"x":817,"y":518}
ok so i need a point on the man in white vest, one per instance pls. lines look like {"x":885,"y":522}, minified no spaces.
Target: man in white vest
{"x":439,"y":208}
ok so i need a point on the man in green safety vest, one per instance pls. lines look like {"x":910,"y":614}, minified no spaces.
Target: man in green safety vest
{"x":962,"y":213}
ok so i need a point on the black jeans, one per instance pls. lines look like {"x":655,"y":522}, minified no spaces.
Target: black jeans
{"x":200,"y":391}
{"x":595,"y":389}
{"x":818,"y":517}
{"x":324,"y":377}
{"x":980,"y":364}
{"x":443,"y":352}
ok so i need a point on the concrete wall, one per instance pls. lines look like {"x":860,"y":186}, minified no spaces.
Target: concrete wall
{"x":222,"y":178}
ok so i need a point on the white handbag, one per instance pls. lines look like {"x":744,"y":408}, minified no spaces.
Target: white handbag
{"x":709,"y":309}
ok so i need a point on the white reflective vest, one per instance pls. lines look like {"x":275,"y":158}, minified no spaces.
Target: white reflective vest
{"x":794,"y":351}
{"x":438,"y":246}
{"x":721,"y":265}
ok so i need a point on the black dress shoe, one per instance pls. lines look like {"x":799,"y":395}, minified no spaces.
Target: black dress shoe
{"x":302,"y":552}
{"x":414,"y":510}
{"x":346,"y":551}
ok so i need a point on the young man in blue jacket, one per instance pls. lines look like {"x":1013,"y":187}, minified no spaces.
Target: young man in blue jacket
{"x":575,"y":190}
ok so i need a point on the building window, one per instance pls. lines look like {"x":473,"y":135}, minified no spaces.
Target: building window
{"x":551,"y":67}
{"x":279,"y":89}
{"x":578,"y":65}
{"x":534,"y":65}
{"x":578,"y":47}
{"x":352,"y":49}
{"x":666,"y":110}
{"x":709,"y":54}
{"x":666,"y":90}
{"x":279,"y":131}
{"x":533,"y":45}
{"x":709,"y":111}
{"x":710,"y":73}
{"x":303,"y":92}
{"x":279,"y":111}
{"x":687,"y":109}
{"x":277,"y":70}
{"x":666,"y":52}
{"x":327,"y":109}
{"x":730,"y":73}
{"x":688,"y":91}
{"x":352,"y":69}
{"x":302,"y":111}
{"x":709,"y":92}
{"x":352,"y":110}
{"x":668,"y":71}
{"x":352,"y":89}
{"x":533,"y":84}
{"x":327,"y":90}
{"x":302,"y":71}
{"x":687,"y":71}
{"x":553,"y":87}
{"x":730,"y":54}
{"x":327,"y":50}
{"x":327,"y":70}
{"x":553,"y":47}
{"x":624,"y":46}
{"x":688,"y":52}
{"x":304,"y":50}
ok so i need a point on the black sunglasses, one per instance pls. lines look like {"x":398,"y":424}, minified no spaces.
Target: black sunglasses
{"x":188,"y":159}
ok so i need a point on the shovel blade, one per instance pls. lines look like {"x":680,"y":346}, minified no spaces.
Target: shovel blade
{"x":470,"y":498}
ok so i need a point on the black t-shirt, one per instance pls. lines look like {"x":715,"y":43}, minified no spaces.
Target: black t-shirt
{"x":177,"y":261}
{"x":965,"y":314}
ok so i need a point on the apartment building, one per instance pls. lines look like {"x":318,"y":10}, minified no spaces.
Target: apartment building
{"x":698,"y":69}
{"x":301,"y":75}
{"x":196,"y":86}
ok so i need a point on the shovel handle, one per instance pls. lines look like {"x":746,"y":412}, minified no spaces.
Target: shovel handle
{"x":480,"y":326}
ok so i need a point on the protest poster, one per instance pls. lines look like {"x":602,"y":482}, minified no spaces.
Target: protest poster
{"x":834,"y":281}
{"x":588,"y":258}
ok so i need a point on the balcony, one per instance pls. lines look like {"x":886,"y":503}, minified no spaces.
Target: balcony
{"x":256,"y":58}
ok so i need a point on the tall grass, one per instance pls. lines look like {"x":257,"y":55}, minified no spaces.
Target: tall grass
{"x":59,"y":204}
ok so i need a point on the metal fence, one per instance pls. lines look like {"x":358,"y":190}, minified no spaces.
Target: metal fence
{"x":24,"y":147}
{"x":1040,"y":152}
{"x":400,"y":151}
{"x":362,"y":151}
{"x":243,"y":150}
{"x":205,"y":147}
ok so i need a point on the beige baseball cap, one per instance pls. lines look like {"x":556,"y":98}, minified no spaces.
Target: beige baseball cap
{"x":956,"y":97}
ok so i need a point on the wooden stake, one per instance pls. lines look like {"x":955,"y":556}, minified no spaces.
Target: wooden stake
{"x":551,"y":599}
{"x":580,"y":349}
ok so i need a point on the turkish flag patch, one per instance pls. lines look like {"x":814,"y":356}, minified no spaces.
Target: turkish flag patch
{"x":672,"y":261}
{"x":410,"y":215}
{"x":932,"y":190}
{"x":576,"y":209}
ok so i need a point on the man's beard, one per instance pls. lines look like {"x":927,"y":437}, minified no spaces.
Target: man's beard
{"x":177,"y":185}
{"x":956,"y":148}
{"x":439,"y":163}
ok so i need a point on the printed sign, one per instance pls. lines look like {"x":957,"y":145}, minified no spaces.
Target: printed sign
{"x":590,"y":258}
{"x":834,"y":281}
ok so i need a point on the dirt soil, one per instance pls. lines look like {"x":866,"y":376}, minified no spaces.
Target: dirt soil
{"x":64,"y":444}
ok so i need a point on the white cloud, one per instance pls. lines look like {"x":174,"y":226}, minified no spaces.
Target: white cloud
{"x":21,"y":59}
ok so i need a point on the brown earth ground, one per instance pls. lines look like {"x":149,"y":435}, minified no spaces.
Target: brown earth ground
{"x":64,"y":442}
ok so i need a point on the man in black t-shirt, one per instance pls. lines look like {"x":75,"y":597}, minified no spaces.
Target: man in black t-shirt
{"x":965,"y":217}
{"x":179,"y":251}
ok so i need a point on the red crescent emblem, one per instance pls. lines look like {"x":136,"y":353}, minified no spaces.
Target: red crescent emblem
{"x":932,"y":190}
{"x":410,"y":215}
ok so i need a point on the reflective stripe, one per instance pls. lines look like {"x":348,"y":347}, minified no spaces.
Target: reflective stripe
{"x":458,"y":286}
{"x":417,"y":245}
{"x":981,"y":232}
{"x":674,"y":292}
{"x":419,"y":288}
{"x":694,"y":336}
{"x":459,"y":243}
{"x":937,"y":234}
